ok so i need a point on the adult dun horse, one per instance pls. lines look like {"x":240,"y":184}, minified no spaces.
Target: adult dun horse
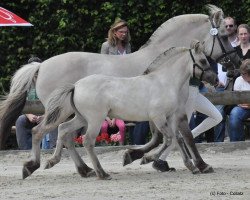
{"x":155,"y":96}
{"x":70,"y":67}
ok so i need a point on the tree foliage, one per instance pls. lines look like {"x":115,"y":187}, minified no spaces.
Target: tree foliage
{"x":82,"y":25}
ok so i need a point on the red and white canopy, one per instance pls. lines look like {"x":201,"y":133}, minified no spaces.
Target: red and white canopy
{"x":8,"y":18}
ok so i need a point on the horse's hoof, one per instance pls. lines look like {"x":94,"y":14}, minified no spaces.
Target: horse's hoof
{"x":208,"y":169}
{"x":195,"y":171}
{"x":105,"y":177}
{"x":146,"y":160}
{"x":49,"y":164}
{"x":127,"y":159}
{"x":131,"y":155}
{"x":85,"y":171}
{"x":91,"y":173}
{"x":29,"y":167}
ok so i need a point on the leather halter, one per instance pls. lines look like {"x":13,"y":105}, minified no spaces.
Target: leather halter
{"x":198,"y":66}
{"x":224,"y":58}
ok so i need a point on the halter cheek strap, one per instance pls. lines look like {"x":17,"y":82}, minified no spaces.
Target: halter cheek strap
{"x":224,"y":56}
{"x":198,"y":66}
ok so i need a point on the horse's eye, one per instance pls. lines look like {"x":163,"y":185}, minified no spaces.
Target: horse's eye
{"x":203,"y":61}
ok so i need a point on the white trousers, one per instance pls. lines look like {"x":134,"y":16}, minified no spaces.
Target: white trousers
{"x":197,"y":102}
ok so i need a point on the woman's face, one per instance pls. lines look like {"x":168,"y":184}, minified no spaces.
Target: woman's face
{"x":246,"y":76}
{"x":243,"y":35}
{"x":122,"y":33}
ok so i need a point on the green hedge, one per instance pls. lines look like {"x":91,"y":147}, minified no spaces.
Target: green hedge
{"x":82,"y":25}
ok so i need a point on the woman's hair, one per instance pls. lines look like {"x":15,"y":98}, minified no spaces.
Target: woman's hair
{"x":112,"y":39}
{"x":245,"y":66}
{"x":243,"y":26}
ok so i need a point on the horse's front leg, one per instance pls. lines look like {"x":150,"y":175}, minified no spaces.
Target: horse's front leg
{"x":89,"y":144}
{"x":185,"y":155}
{"x":135,"y":153}
{"x":189,"y":141}
{"x":65,"y":137}
{"x":34,"y":163}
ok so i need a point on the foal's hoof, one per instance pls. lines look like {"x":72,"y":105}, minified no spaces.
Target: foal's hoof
{"x":49,"y":164}
{"x":126,"y":159}
{"x":195,"y":171}
{"x":29,"y":167}
{"x":105,"y":177}
{"x":146,"y":160}
{"x":131,"y":155}
{"x":86,"y":172}
{"x":208,"y":169}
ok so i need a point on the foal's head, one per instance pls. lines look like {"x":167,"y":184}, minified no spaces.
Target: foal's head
{"x":201,"y":67}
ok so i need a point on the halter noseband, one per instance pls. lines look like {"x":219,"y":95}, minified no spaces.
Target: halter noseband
{"x":224,"y":58}
{"x":198,"y":66}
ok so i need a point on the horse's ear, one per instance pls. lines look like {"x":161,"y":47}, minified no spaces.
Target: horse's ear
{"x":218,"y":18}
{"x":197,"y":46}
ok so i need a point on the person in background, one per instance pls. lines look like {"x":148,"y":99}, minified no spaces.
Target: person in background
{"x":243,"y":49}
{"x":118,"y":43}
{"x":242,"y":111}
{"x":231,"y":30}
{"x":26,"y":122}
{"x":114,"y":126}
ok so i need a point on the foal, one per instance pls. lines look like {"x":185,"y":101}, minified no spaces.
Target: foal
{"x":153,"y":97}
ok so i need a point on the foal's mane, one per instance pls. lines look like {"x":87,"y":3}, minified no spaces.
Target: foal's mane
{"x":180,"y":19}
{"x":159,"y":60}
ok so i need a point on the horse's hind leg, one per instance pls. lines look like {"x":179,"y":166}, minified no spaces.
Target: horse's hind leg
{"x":89,"y":144}
{"x":133,"y":154}
{"x":65,"y":137}
{"x":34,"y":163}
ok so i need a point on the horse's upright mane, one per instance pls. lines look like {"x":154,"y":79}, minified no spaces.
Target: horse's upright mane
{"x":166,"y":26}
{"x":212,"y":9}
{"x":173,"y":51}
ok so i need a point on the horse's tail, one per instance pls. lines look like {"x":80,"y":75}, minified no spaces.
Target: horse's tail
{"x":12,"y":104}
{"x":55,"y":106}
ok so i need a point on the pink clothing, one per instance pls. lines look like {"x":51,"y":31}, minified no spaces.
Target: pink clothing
{"x":121,"y":126}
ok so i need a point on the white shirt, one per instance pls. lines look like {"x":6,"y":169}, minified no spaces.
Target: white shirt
{"x":222,"y":76}
{"x":241,"y":85}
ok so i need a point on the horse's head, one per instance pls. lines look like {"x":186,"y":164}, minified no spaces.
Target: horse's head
{"x":201,"y":67}
{"x":217,"y":45}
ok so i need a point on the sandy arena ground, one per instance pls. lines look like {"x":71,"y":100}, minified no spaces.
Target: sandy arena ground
{"x":231,"y":179}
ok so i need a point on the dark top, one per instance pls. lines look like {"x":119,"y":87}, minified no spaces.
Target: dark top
{"x":239,"y":52}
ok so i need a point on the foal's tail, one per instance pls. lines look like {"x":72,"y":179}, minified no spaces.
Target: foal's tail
{"x":55,"y":107}
{"x":12,"y":104}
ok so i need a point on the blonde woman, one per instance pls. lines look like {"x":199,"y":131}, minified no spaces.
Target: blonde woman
{"x":118,"y":39}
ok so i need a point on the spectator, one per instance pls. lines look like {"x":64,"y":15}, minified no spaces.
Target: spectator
{"x":242,"y":111}
{"x":116,"y":44}
{"x":243,"y":49}
{"x":113,"y":126}
{"x":26,"y":122}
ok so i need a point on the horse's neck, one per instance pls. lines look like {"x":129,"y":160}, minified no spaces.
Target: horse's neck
{"x":174,"y":72}
{"x":179,"y":31}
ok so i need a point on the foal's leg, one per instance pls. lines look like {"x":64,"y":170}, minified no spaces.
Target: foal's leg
{"x":135,"y":153}
{"x":89,"y":144}
{"x":33,"y":164}
{"x":65,"y":137}
{"x":189,"y":141}
{"x":185,"y":155}
{"x":150,"y":157}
